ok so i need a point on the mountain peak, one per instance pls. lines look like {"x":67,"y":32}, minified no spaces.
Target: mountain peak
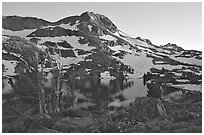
{"x":100,"y":20}
{"x":86,"y":16}
{"x":172,"y":47}
{"x":88,"y":13}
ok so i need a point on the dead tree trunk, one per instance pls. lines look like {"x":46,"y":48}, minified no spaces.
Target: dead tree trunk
{"x":57,"y":68}
{"x":41,"y":81}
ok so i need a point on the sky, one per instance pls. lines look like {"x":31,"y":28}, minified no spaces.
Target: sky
{"x":169,"y":22}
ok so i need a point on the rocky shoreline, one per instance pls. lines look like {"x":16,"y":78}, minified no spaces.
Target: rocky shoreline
{"x":145,"y":115}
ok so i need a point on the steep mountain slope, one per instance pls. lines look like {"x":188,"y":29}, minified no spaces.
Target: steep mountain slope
{"x":16,"y":23}
{"x":92,"y":46}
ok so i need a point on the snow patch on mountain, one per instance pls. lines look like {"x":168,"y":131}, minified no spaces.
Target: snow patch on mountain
{"x":9,"y":67}
{"x":69,"y":26}
{"x":92,"y":17}
{"x":90,"y":27}
{"x":22,"y":33}
{"x":116,"y":34}
{"x":123,"y":48}
{"x":154,"y":55}
{"x":182,"y":80}
{"x":14,"y":54}
{"x":67,"y":61}
{"x":192,"y":87}
{"x":191,"y":60}
{"x":140,"y":63}
{"x":106,"y":77}
{"x":177,"y":74}
{"x":4,"y":38}
{"x":168,"y":67}
{"x":73,"y":40}
{"x":108,"y":37}
{"x":145,"y":49}
{"x":88,"y":69}
{"x":6,"y":86}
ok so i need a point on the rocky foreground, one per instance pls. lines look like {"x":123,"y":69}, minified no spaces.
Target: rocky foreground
{"x":145,"y":115}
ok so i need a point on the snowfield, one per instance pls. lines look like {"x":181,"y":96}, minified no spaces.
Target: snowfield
{"x":22,"y":33}
{"x":9,"y":67}
{"x":108,"y":37}
{"x":140,"y":63}
{"x":67,"y":61}
{"x":188,"y":60}
{"x":68,"y":26}
{"x":192,"y":87}
{"x":106,"y":77}
{"x":122,"y":48}
{"x":6,"y":87}
{"x":73,"y":40}
{"x":90,"y":27}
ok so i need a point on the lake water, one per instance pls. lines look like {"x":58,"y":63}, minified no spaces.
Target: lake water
{"x":98,"y":94}
{"x":103,"y":94}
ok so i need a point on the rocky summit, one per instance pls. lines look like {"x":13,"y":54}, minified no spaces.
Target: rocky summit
{"x":103,"y":72}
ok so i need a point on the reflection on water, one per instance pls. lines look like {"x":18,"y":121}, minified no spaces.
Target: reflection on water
{"x":94,"y":94}
{"x":97,"y":94}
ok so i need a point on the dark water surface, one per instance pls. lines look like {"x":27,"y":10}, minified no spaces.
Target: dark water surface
{"x":100,"y":94}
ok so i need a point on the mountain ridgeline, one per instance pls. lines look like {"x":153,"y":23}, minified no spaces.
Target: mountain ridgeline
{"x":91,"y":46}
{"x":17,"y":23}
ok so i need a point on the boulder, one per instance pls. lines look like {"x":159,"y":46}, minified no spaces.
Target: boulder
{"x":145,"y":108}
{"x":190,"y":97}
{"x":73,"y":124}
{"x":38,"y":122}
{"x":44,"y":130}
{"x":181,"y":130}
{"x":74,"y":113}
